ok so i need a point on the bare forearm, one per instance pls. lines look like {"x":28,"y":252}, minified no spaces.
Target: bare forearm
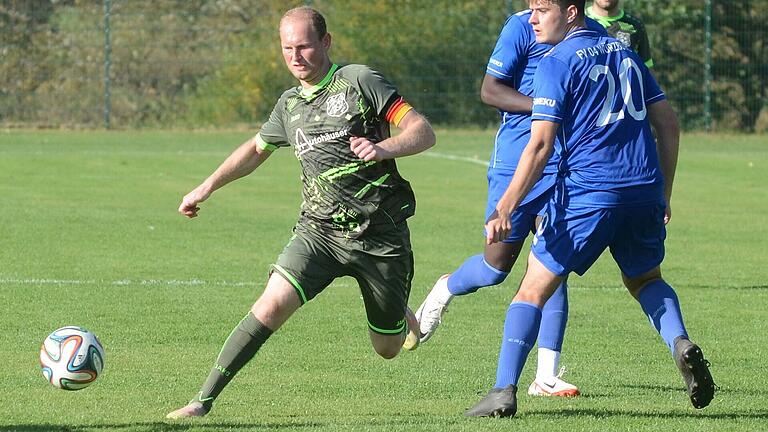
{"x":415,"y":137}
{"x":243,"y":161}
{"x":529,"y":170}
{"x":667,"y":129}
{"x":499,"y":95}
{"x":668,"y":147}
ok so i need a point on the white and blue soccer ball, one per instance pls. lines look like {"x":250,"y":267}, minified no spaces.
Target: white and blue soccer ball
{"x":71,"y":358}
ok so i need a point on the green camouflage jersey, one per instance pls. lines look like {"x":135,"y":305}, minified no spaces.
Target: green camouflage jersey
{"x":343,"y":195}
{"x":629,"y":30}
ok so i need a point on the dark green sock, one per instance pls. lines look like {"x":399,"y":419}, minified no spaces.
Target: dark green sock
{"x":240,"y":347}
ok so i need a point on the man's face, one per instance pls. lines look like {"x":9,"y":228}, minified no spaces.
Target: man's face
{"x":606,"y":4}
{"x":548,"y":20}
{"x":304,"y":53}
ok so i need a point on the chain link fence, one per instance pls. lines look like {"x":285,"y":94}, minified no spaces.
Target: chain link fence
{"x":217,"y":63}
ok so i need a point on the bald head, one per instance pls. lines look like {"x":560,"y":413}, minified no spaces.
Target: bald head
{"x":305,"y":44}
{"x":315,"y":18}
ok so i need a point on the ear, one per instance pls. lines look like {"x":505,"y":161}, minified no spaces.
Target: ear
{"x":327,"y":41}
{"x":571,"y":13}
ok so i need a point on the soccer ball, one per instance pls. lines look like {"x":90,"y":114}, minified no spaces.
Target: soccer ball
{"x":71,"y":358}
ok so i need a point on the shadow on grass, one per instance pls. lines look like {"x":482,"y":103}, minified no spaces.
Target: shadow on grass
{"x":604,"y":414}
{"x":158,"y":426}
{"x":610,"y":394}
{"x":720,"y":391}
{"x":673,"y":389}
{"x":451,"y":420}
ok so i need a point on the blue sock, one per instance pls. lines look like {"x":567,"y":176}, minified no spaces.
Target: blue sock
{"x":554,"y":317}
{"x":520,"y":329}
{"x":474,"y":273}
{"x":660,"y":304}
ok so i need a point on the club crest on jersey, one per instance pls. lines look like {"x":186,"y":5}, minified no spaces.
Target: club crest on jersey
{"x":625,"y":38}
{"x":337,"y":106}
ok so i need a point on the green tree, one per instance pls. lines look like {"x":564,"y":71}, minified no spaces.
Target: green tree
{"x":740,"y":58}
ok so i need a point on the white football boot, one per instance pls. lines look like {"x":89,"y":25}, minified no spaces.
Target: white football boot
{"x":553,"y":386}
{"x":430,"y":313}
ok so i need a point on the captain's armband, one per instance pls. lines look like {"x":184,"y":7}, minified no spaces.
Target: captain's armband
{"x":397,"y":111}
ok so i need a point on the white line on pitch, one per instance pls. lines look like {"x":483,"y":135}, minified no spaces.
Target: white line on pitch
{"x":119,"y":282}
{"x":455,"y":158}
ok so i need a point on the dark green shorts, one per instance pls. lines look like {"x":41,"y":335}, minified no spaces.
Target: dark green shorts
{"x":382,"y":264}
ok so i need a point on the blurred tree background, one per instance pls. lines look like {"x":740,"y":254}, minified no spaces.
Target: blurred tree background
{"x":217,"y":63}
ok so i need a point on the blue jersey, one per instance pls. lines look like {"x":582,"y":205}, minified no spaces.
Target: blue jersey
{"x":598,"y":89}
{"x":514,"y":61}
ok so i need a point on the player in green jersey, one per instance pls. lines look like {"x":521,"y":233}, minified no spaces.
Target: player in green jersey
{"x":353,"y":217}
{"x":623,"y":26}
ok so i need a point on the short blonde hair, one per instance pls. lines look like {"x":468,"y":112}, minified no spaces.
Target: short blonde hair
{"x":315,"y":18}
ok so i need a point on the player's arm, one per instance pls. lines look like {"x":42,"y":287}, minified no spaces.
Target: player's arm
{"x":498,"y":94}
{"x":243,"y":161}
{"x":529,"y":170}
{"x":416,"y":136}
{"x":664,"y":123}
{"x":644,"y":47}
{"x":508,"y":57}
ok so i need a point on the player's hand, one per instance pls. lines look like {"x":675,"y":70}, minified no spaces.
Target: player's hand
{"x":366,"y":149}
{"x":189,"y":204}
{"x":667,"y":214}
{"x":497,"y":227}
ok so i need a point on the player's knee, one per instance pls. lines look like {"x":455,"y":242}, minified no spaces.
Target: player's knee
{"x":531,"y":295}
{"x":387,"y":351}
{"x":270,"y":312}
{"x":264,"y":308}
{"x":636,"y":284}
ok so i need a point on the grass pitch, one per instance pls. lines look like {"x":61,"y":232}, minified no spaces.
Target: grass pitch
{"x":89,"y":236}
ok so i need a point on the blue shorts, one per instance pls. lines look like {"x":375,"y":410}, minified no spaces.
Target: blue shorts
{"x":571,"y":239}
{"x":524,"y":218}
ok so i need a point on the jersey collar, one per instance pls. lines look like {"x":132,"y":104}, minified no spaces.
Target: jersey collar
{"x":578,"y":31}
{"x":605,"y":21}
{"x":311,"y":92}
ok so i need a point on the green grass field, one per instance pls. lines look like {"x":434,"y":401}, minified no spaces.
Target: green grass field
{"x":89,"y":236}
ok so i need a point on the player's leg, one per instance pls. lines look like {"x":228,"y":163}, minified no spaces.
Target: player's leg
{"x":388,"y":345}
{"x":659,"y":303}
{"x":567,"y":240}
{"x":662,"y":307}
{"x":275,"y":305}
{"x":302,"y":271}
{"x":554,"y":318}
{"x":521,"y":327}
{"x":487,"y":269}
{"x":382,"y":264}
{"x":638,"y":250}
{"x":490,"y":268}
{"x":493,"y":265}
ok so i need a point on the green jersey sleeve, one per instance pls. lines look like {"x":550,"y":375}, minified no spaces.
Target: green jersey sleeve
{"x":272,"y":134}
{"x":376,"y":89}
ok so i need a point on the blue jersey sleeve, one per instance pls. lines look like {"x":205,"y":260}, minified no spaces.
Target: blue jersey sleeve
{"x":651,"y":89}
{"x":511,"y":48}
{"x":550,"y":90}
